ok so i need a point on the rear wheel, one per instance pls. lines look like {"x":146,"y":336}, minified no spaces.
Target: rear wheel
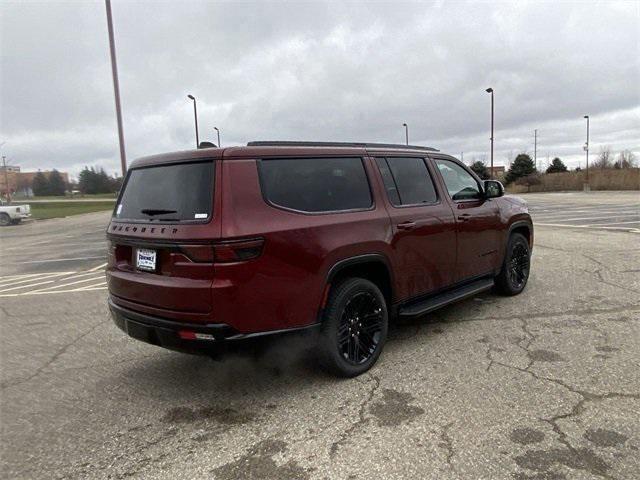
{"x":355,"y":327}
{"x":4,"y":219}
{"x":515,"y":270}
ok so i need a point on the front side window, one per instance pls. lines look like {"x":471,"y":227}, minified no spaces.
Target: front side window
{"x":316,"y":184}
{"x":407,"y":180}
{"x":460,"y":183}
{"x":171,"y":193}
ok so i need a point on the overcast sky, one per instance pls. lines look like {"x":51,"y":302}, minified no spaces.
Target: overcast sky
{"x":318,"y":71}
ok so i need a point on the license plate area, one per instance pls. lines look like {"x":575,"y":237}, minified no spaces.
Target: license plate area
{"x":146,"y":259}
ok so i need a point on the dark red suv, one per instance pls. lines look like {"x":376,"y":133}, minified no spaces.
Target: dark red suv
{"x":213,"y":246}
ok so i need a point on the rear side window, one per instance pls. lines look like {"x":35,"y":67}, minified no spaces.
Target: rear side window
{"x":170,"y":193}
{"x":316,"y":184}
{"x":407,"y":180}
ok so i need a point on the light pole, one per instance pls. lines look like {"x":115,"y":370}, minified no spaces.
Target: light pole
{"x":535,"y":148}
{"x":586,"y":149}
{"x":218,"y":132}
{"x":195,"y":117}
{"x":490,"y":90}
{"x":116,"y":87}
{"x":406,"y":133}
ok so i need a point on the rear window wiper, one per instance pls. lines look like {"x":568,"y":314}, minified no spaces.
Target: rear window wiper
{"x":156,"y":211}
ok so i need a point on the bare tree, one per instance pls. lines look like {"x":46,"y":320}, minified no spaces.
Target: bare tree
{"x":626,"y":159}
{"x":605,"y":158}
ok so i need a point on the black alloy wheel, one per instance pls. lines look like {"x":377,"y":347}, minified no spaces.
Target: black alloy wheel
{"x":515,"y":270}
{"x":354,"y":328}
{"x":360,"y":328}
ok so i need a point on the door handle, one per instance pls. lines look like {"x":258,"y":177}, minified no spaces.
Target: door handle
{"x":406,"y":226}
{"x":463,"y":217}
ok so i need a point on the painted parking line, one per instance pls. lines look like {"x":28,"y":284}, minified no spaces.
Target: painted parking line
{"x":19,"y":287}
{"x":62,"y":260}
{"x":56,"y":282}
{"x":35,"y":277}
{"x":54,"y":292}
{"x":92,"y":279}
{"x":595,"y":227}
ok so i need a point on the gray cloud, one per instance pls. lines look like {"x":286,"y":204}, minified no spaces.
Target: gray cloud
{"x":324,"y":71}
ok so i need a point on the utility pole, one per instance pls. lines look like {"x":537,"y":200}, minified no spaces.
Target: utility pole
{"x":535,"y":148}
{"x":6,"y":178}
{"x":116,"y":87}
{"x":406,"y":132}
{"x":586,"y":149}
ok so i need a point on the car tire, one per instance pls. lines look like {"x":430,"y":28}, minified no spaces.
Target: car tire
{"x":514,"y":274}
{"x":5,"y":219}
{"x":354,"y":328}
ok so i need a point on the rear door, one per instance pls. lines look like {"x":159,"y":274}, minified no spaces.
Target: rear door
{"x":160,"y":236}
{"x":424,"y":239}
{"x":477,"y":219}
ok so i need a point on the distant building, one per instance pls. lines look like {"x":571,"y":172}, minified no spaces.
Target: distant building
{"x":498,"y":172}
{"x":21,"y":182}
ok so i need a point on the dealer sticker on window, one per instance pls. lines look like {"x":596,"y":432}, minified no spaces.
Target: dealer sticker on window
{"x":146,"y":259}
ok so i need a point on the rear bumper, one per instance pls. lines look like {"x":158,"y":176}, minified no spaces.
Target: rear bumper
{"x":167,"y":333}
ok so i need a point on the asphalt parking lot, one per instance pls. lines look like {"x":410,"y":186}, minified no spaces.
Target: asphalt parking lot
{"x":545,"y":385}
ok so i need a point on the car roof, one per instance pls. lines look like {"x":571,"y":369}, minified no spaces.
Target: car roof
{"x":281,"y":149}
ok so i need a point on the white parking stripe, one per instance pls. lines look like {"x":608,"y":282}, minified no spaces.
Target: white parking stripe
{"x":25,"y":286}
{"x":60,"y":260}
{"x":597,"y":227}
{"x":90,"y":287}
{"x":42,"y":276}
{"x":27,"y":275}
{"x":93,"y":279}
{"x":99,"y":267}
{"x":53,"y":292}
{"x":608,"y":217}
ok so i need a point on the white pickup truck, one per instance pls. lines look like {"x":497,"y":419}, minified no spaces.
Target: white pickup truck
{"x":13,"y":214}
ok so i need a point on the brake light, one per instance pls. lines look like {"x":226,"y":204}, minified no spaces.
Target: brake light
{"x":224,"y":252}
{"x":238,"y":251}
{"x":198,"y":253}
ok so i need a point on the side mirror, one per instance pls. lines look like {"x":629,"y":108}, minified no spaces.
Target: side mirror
{"x":493,"y":189}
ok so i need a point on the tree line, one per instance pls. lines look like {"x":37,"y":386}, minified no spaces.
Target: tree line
{"x":523,"y":169}
{"x":90,"y":181}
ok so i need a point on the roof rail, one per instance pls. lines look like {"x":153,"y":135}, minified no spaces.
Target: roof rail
{"x":285,"y":143}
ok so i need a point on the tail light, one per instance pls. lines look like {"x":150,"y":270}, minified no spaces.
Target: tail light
{"x":238,"y":251}
{"x":225,"y":252}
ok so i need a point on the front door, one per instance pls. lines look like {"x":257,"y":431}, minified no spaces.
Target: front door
{"x":477,"y":220}
{"x":424,"y":237}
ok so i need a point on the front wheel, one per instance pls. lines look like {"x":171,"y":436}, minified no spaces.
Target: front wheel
{"x":355,"y":327}
{"x":515,"y":270}
{"x":5,"y":219}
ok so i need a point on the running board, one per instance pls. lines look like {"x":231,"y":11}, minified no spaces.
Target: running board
{"x":442,"y":299}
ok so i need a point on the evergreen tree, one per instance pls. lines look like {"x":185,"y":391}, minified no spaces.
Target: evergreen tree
{"x":521,"y":167}
{"x":557,"y":166}
{"x":40,"y":184}
{"x":480,"y":169}
{"x":56,"y":183}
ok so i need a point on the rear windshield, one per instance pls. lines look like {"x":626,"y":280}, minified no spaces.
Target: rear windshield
{"x":168,"y":193}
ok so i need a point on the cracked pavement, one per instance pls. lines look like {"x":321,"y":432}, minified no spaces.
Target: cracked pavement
{"x":545,"y":385}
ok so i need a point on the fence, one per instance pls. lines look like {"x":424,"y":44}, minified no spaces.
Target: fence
{"x":608,"y":179}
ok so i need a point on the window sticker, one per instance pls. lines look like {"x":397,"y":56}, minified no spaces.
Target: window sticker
{"x":201,"y":215}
